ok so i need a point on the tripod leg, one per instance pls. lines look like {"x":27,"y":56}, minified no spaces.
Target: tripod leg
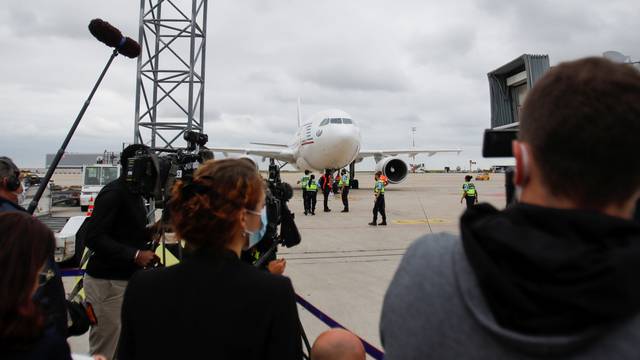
{"x":305,"y":340}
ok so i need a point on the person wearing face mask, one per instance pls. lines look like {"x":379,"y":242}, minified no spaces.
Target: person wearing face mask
{"x":259,"y":245}
{"x":212,"y":304}
{"x":554,"y":275}
{"x":50,"y":296}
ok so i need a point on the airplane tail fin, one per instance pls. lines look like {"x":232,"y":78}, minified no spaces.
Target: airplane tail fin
{"x":299,"y":113}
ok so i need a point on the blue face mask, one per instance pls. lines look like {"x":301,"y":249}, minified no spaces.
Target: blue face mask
{"x":256,"y":236}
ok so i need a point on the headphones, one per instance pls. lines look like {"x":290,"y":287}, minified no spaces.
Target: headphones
{"x":13,"y":181}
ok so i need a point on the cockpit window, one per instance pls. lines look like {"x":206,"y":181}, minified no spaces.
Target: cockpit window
{"x":336,"y":121}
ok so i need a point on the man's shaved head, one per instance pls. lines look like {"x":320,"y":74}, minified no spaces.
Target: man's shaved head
{"x":337,"y":344}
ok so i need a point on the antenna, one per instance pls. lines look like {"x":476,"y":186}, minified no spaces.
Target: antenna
{"x":299,"y":112}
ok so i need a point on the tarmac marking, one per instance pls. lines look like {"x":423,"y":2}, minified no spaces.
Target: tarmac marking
{"x":344,"y":251}
{"x":341,"y":256}
{"x":421,"y":221}
{"x":343,"y":261}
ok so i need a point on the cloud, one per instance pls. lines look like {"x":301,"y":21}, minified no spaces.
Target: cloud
{"x":443,"y":46}
{"x":360,"y":77}
{"x":390,"y":65}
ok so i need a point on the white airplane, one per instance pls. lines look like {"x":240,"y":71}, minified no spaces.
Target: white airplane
{"x":330,"y":140}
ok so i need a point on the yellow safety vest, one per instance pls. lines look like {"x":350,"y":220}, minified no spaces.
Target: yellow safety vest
{"x":304,"y":181}
{"x":313,"y":187}
{"x":379,"y":187}
{"x":344,"y":180}
{"x":469,"y":189}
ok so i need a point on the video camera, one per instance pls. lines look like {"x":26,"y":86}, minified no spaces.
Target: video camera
{"x":278,"y":214}
{"x":497,"y":143}
{"x":152,"y":175}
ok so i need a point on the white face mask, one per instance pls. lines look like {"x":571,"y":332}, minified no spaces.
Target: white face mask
{"x":524,"y":168}
{"x":254,"y":237}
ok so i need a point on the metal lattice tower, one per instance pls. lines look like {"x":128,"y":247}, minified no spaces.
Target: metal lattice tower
{"x":170,"y":83}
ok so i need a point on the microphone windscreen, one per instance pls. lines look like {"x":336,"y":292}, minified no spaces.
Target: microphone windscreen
{"x":105,"y":32}
{"x":130,"y":48}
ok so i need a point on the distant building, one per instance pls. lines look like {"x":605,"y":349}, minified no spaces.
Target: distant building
{"x":77,"y":160}
{"x":500,"y":168}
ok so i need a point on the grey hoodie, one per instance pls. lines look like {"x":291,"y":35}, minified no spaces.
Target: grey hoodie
{"x":434,"y":309}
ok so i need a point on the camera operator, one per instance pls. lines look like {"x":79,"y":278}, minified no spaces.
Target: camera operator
{"x":211,"y":304}
{"x":273,"y":264}
{"x":117,"y":236}
{"x":49,"y":296}
{"x":556,"y":274}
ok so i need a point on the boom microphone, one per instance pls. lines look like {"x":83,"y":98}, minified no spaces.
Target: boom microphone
{"x":112,"y":37}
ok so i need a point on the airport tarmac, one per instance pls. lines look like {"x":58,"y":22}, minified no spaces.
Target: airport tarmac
{"x":343,"y":266}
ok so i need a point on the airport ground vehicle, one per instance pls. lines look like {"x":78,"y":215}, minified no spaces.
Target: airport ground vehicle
{"x":482,"y":177}
{"x":94,"y":178}
{"x":69,"y":243}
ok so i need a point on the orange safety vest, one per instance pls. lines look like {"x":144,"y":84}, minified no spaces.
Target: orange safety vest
{"x":384,"y":179}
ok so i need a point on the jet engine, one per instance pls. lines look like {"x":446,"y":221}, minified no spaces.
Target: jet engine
{"x":395,"y":169}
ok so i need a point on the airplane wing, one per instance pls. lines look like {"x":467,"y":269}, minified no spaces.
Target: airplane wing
{"x":412,"y":152}
{"x":285,"y":155}
{"x":269,"y":144}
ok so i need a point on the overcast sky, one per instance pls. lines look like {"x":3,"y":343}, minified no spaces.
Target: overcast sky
{"x":390,"y":64}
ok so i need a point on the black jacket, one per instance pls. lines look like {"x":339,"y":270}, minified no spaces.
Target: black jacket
{"x":49,"y":346}
{"x":553,"y":271}
{"x":324,"y":183}
{"x":210,"y":306}
{"x":116,"y":231}
{"x":50,"y":296}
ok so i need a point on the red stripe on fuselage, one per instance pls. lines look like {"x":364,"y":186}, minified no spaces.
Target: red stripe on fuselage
{"x":307,"y":143}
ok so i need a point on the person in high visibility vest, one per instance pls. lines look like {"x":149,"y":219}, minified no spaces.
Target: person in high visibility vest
{"x":469,"y":192}
{"x":378,"y":205}
{"x":304,"y":181}
{"x":344,"y":186}
{"x":312,"y":194}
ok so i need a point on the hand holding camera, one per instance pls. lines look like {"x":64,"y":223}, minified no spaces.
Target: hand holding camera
{"x":146,"y":258}
{"x":277,"y":267}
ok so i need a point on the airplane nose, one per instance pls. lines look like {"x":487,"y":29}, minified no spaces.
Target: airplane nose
{"x":345,"y":142}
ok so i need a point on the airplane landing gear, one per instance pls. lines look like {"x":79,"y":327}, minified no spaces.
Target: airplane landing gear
{"x":353,"y":182}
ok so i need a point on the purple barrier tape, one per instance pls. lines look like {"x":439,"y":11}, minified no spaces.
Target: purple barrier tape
{"x":370,"y":349}
{"x":71,"y":272}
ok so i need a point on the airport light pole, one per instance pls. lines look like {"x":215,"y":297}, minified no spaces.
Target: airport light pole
{"x":413,"y":136}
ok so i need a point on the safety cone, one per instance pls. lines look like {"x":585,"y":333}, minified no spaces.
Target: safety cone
{"x":90,"y":209}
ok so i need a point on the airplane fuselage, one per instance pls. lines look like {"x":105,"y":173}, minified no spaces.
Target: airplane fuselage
{"x":327,"y":140}
{"x":330,"y":140}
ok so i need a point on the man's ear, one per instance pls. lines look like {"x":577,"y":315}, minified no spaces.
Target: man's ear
{"x":522,"y":162}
